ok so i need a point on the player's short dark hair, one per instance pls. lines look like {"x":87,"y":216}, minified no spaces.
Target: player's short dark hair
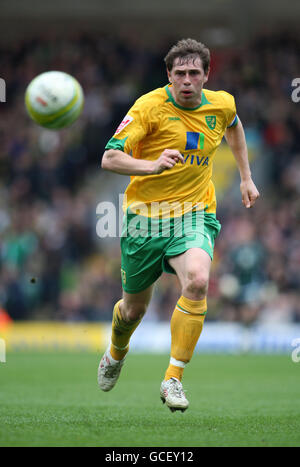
{"x":188,"y":48}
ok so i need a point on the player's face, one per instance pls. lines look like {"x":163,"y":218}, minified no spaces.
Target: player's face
{"x":187,"y":77}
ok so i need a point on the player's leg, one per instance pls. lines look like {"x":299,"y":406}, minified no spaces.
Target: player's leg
{"x":140,"y":268}
{"x":192,"y":268}
{"x":128,"y":313}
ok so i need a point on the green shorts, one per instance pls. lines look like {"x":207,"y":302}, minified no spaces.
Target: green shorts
{"x":147,"y":243}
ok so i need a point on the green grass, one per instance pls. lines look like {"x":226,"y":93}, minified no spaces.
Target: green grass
{"x":53,"y":400}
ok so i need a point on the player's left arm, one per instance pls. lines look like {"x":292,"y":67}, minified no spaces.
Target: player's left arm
{"x":235,"y":137}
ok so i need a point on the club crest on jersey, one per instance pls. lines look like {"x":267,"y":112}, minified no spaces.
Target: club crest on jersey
{"x":211,"y":121}
{"x":126,"y":120}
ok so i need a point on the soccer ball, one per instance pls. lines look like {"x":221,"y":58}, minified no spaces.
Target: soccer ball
{"x":54,"y":99}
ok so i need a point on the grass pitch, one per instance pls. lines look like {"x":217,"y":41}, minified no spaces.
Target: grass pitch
{"x":52,"y":399}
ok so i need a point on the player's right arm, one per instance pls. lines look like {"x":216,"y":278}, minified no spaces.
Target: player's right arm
{"x":140,"y":121}
{"x":119,"y":162}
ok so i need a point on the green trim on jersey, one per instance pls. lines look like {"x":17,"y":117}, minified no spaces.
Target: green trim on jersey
{"x":204,"y":100}
{"x":115,"y":143}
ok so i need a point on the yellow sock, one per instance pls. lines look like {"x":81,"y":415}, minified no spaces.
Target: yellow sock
{"x":186,"y":326}
{"x":121,"y":333}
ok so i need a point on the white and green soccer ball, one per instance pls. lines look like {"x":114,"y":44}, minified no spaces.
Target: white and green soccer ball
{"x":54,"y":99}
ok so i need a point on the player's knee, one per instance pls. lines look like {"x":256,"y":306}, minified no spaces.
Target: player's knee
{"x":133,"y":311}
{"x":197,"y":283}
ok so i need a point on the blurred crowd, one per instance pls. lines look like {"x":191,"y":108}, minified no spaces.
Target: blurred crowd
{"x":52,"y":263}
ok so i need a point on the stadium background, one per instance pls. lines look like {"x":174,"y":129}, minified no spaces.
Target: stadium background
{"x":51,"y":182}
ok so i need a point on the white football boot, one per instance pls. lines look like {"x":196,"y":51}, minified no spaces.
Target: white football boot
{"x":109,"y":371}
{"x":171,"y":393}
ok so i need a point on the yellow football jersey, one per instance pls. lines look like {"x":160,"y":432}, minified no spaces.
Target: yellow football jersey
{"x":156,"y":122}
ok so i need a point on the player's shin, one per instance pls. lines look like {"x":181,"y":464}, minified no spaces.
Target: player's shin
{"x":121,"y":333}
{"x":186,"y":326}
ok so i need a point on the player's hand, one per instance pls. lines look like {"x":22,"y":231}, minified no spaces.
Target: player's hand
{"x":167,"y":160}
{"x":249,"y":193}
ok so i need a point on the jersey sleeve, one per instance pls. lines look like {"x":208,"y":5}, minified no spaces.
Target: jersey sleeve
{"x":231,"y":118}
{"x":133,"y":128}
